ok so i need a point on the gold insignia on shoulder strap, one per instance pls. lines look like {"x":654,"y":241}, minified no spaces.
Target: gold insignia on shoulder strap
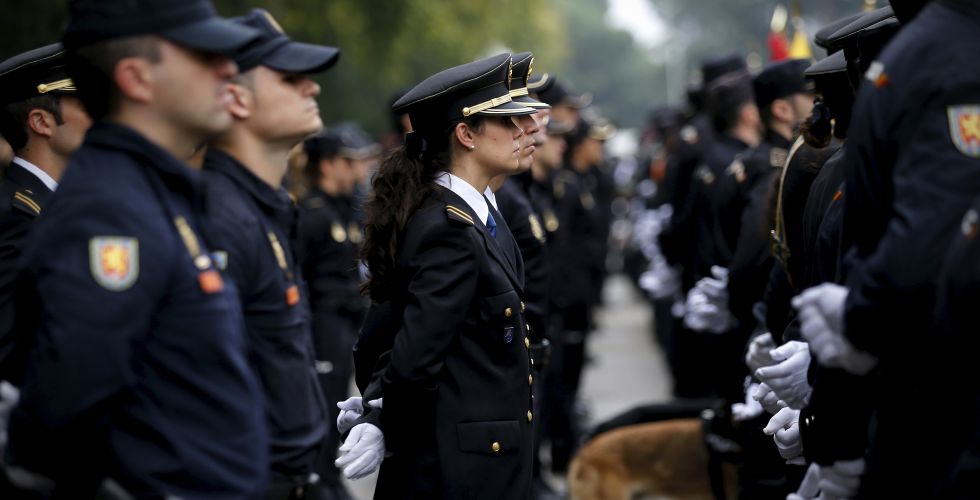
{"x":460,"y":215}
{"x":777,"y":157}
{"x":26,"y":203}
{"x":536,"y":228}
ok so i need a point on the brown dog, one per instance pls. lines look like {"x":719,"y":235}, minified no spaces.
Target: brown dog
{"x":661,"y":459}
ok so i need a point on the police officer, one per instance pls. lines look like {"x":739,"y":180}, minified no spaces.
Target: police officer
{"x":457,"y":387}
{"x":331,"y":235}
{"x":44,"y":122}
{"x":911,"y":163}
{"x":251,"y":221}
{"x":522,"y":218}
{"x":141,"y":374}
{"x":784,"y":98}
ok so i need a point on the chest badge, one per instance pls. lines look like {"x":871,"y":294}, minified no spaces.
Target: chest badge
{"x":354,"y":233}
{"x":114,"y":261}
{"x":338,"y":233}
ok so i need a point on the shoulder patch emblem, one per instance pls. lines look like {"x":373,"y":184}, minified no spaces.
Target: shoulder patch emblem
{"x":737,"y":169}
{"x":338,"y":233}
{"x":114,"y":261}
{"x":460,"y":215}
{"x":876,"y":74}
{"x":964,"y":128}
{"x":23,"y":201}
{"x":777,"y":157}
{"x":536,"y":228}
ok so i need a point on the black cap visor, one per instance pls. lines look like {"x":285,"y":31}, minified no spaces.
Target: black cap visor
{"x":211,"y":35}
{"x":297,"y":57}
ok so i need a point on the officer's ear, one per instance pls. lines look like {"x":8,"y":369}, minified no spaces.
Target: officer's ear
{"x":134,"y":78}
{"x":242,"y":101}
{"x":465,"y":135}
{"x":41,"y":122}
{"x":782,"y":110}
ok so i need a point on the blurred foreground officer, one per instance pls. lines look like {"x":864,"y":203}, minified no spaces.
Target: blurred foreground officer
{"x":457,"y":390}
{"x":141,"y":375}
{"x":912,"y":160}
{"x":331,"y":237}
{"x":44,"y":122}
{"x":252,"y":218}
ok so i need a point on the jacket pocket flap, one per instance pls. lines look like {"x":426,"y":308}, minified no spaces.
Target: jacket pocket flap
{"x":489,"y":437}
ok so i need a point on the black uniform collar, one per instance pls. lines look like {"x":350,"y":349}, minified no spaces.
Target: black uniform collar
{"x":109,"y":135}
{"x":25,"y":179}
{"x":270,"y":199}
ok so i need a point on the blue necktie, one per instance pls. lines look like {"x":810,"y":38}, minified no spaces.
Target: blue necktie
{"x":491,"y":225}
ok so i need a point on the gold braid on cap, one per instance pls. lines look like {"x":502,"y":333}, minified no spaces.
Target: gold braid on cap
{"x":66,"y":84}
{"x":492,"y":103}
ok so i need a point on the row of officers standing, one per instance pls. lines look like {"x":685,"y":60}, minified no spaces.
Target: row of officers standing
{"x":175,"y":324}
{"x":812,"y":259}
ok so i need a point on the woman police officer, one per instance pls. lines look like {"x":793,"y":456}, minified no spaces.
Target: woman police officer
{"x":457,"y":380}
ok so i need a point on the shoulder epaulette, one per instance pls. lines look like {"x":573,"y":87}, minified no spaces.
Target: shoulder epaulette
{"x":22,"y":201}
{"x":458,"y":214}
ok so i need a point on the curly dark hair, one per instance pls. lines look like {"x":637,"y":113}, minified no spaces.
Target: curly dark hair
{"x":403,"y":182}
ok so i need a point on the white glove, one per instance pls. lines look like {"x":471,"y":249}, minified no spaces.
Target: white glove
{"x":768,"y":399}
{"x":661,"y":281}
{"x":787,"y":378}
{"x":750,"y":408}
{"x":821,"y":324}
{"x":716,"y":287}
{"x":707,"y":304}
{"x":841,"y":480}
{"x":784,"y":427}
{"x":809,"y":486}
{"x":351,"y":409}
{"x":363,"y":451}
{"x":758,"y":354}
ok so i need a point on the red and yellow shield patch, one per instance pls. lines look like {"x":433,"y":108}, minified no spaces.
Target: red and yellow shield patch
{"x":964,"y":128}
{"x":114,"y":261}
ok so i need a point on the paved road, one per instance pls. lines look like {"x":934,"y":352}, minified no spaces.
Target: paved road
{"x":627,"y":368}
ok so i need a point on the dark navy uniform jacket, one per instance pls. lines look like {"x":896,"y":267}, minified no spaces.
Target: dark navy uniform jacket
{"x":528,"y":230}
{"x":569,"y":230}
{"x":752,"y":261}
{"x":22,"y":198}
{"x":331,"y":234}
{"x":140,"y":373}
{"x":250,"y":226}
{"x":457,"y":385}
{"x":956,"y":315}
{"x":913,"y":158}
